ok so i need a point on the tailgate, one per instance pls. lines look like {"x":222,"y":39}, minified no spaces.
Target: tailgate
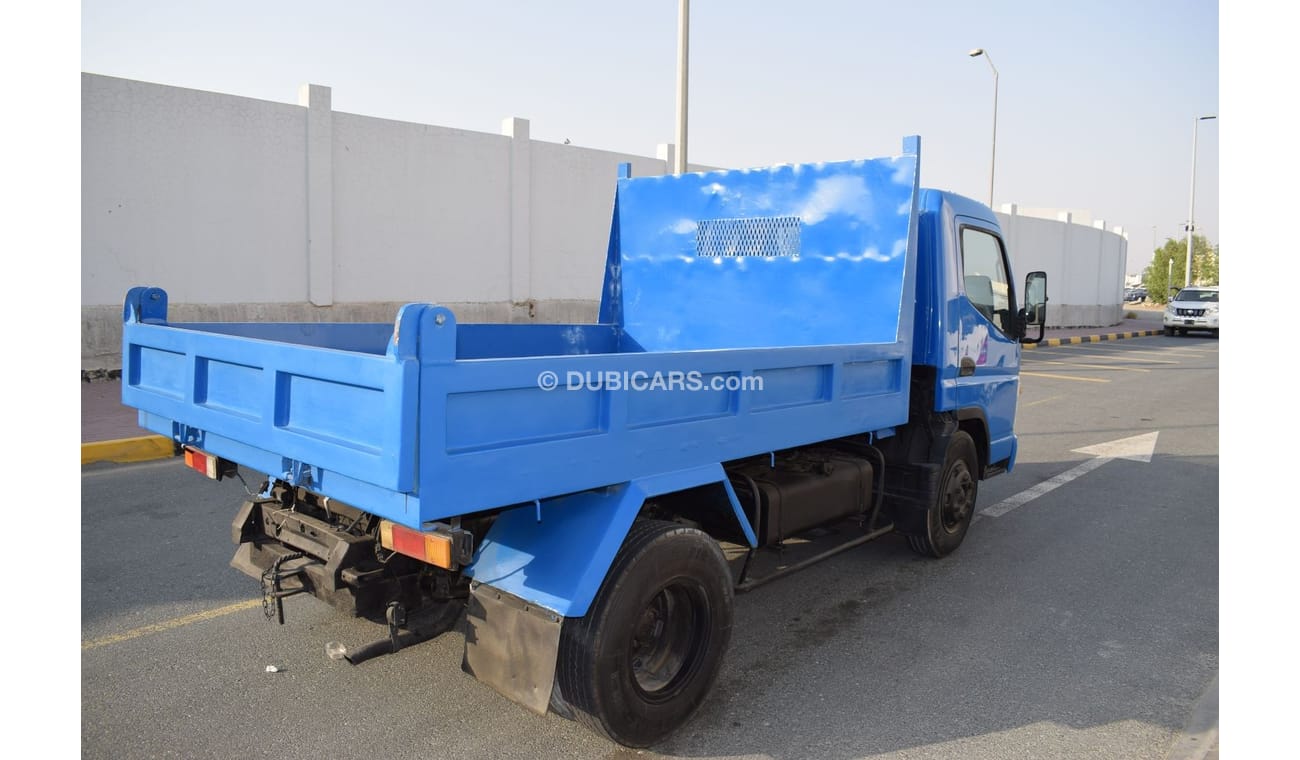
{"x":281,"y":398}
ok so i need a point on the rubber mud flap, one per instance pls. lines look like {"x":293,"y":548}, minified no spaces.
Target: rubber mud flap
{"x":511,"y":645}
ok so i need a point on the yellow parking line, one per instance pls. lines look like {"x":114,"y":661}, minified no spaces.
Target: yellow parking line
{"x":1039,"y":401}
{"x":1080,"y":365}
{"x":1066,"y":377}
{"x":168,"y":625}
{"x":1125,"y":358}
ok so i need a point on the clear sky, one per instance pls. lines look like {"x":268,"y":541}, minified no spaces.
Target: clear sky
{"x":1095,"y":105}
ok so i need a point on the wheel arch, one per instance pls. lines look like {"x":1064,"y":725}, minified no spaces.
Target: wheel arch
{"x":556,"y":553}
{"x":972,"y":421}
{"x":543,"y":563}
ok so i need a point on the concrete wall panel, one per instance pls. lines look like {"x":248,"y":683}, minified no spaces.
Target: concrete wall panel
{"x":198,"y":192}
{"x":245,"y":209}
{"x":420,"y":213}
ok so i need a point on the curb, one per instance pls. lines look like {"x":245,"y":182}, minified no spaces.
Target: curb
{"x":1053,"y":342}
{"x":140,"y":449}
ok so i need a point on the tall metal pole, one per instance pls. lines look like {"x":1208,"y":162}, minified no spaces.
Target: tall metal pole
{"x":1191,"y":204}
{"x":993,"y":161}
{"x":683,"y":37}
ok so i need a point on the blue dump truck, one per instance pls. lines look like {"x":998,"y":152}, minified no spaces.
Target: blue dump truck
{"x":788,"y":362}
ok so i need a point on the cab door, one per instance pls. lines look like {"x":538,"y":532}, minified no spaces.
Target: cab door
{"x":988,"y":374}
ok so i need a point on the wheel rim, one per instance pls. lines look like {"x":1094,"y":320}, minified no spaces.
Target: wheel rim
{"x":669,"y":640}
{"x":958,"y":497}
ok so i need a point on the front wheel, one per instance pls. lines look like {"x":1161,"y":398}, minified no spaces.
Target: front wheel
{"x":645,"y":656}
{"x":953,"y":506}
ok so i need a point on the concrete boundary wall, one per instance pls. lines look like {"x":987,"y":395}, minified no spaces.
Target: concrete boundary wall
{"x":250,"y":210}
{"x":1084,"y":264}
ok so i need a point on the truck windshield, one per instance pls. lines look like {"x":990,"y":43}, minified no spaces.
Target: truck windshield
{"x":1202,"y":296}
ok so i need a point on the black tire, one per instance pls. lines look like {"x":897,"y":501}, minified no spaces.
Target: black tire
{"x":953,"y":506}
{"x":1182,"y":332}
{"x":645,"y":656}
{"x":1169,"y":332}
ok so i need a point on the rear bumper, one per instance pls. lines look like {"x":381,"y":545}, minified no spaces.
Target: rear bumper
{"x":336,"y":567}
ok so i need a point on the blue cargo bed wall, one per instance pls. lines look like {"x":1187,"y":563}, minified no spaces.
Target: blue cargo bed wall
{"x":803,"y":255}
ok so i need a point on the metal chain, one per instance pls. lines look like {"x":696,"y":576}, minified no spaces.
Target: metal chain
{"x":270,"y":585}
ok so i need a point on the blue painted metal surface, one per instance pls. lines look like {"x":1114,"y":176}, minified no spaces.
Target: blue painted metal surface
{"x":804,"y":255}
{"x":949,"y":322}
{"x":535,"y":559}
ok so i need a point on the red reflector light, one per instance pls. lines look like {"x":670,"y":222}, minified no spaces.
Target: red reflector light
{"x":208,"y":465}
{"x":433,"y":548}
{"x":408,"y":542}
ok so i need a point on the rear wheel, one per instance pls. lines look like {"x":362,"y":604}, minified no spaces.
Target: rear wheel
{"x":953,"y":506}
{"x":645,"y":656}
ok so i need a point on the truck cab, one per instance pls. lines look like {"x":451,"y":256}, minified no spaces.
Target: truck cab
{"x":973,"y":323}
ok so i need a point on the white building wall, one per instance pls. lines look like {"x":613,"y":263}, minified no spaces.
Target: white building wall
{"x":245,"y":209}
{"x":1084,"y":265}
{"x":571,"y":184}
{"x":200,"y":191}
{"x":420,"y":213}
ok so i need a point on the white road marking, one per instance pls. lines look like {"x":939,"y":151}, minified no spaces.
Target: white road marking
{"x":1138,"y":448}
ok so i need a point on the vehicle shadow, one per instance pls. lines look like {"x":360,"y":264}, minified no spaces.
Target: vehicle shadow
{"x":1084,"y":619}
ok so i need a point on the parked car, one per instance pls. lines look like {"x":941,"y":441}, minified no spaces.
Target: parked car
{"x":1135,"y":294}
{"x":1194,"y":308}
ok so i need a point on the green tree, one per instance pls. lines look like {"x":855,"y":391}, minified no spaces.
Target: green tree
{"x":1205,"y":265}
{"x":1169,"y":266}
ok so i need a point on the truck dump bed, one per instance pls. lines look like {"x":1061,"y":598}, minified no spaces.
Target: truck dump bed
{"x":743,"y":312}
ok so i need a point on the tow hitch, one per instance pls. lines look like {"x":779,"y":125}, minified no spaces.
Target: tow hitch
{"x":294,"y":542}
{"x":419,"y":629}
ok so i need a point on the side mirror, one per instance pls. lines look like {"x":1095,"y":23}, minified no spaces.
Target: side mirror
{"x":1035,"y":310}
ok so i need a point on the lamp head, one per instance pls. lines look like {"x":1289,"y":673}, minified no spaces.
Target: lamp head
{"x":976,"y":52}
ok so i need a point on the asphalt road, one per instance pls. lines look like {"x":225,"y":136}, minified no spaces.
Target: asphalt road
{"x":1080,"y":623}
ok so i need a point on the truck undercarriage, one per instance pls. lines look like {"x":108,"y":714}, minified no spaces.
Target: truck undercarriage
{"x":805,"y":505}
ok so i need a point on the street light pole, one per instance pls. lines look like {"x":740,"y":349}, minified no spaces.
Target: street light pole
{"x":993,"y":162}
{"x":683,"y":36}
{"x":1191,"y":204}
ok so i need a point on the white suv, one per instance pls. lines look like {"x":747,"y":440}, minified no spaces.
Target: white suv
{"x":1194,"y":308}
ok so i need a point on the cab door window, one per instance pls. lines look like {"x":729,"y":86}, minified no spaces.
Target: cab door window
{"x":984,"y":274}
